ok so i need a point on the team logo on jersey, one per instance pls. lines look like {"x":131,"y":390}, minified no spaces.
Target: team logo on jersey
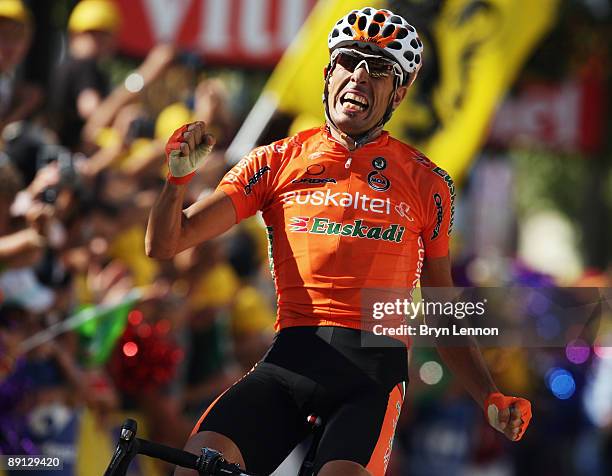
{"x":439,"y":214}
{"x":299,"y":224}
{"x":323,"y":226}
{"x":378,"y":181}
{"x":234,"y":174}
{"x":248,"y":188}
{"x":315,"y":169}
{"x":379,"y":163}
{"x":314,"y":181}
{"x":451,"y":190}
{"x":329,"y":198}
{"x":403,"y":210}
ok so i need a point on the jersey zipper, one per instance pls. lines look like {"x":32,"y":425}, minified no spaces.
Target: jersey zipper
{"x":347,"y":165}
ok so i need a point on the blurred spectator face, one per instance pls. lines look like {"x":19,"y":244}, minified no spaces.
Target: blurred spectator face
{"x":14,"y":43}
{"x":93,"y":27}
{"x":93,"y":44}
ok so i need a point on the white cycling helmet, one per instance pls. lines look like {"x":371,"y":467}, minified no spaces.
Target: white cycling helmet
{"x":384,"y":31}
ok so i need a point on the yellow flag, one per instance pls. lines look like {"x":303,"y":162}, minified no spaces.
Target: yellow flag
{"x":473,"y":51}
{"x":481,"y":47}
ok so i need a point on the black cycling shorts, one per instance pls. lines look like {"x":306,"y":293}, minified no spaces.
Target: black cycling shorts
{"x":357,"y":390}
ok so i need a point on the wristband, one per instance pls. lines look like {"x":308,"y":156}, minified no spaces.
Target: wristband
{"x":179,"y":180}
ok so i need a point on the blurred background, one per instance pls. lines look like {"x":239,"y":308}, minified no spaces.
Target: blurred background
{"x":513,"y":100}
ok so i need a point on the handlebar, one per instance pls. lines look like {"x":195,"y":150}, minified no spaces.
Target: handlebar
{"x":209,"y":463}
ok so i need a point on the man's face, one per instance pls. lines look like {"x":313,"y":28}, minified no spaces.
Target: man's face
{"x":358,"y":101}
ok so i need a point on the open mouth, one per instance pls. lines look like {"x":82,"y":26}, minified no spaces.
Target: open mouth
{"x":353,"y":102}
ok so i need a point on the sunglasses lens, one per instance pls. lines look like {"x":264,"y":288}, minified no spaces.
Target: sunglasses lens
{"x":348,"y":61}
{"x":378,"y":68}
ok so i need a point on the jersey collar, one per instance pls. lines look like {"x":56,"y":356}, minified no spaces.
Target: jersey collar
{"x":380,"y":141}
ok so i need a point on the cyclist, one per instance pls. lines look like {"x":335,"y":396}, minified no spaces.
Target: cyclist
{"x":347,"y":208}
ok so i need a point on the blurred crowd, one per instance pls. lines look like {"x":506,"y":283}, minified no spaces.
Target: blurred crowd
{"x":80,"y":165}
{"x":91,"y":330}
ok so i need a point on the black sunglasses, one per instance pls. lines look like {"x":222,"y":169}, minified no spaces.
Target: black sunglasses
{"x":376,"y":66}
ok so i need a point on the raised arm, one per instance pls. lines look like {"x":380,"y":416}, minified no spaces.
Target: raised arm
{"x":170,"y":228}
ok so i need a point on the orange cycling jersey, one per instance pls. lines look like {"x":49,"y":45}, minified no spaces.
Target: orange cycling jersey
{"x":340,"y":222}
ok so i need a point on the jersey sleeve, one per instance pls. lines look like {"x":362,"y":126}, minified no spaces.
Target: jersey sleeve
{"x":439,"y":206}
{"x":248,"y":183}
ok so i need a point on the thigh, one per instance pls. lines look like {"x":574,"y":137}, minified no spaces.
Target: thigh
{"x":260,"y":416}
{"x":362,"y":429}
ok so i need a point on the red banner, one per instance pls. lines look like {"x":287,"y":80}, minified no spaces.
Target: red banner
{"x":229,"y":32}
{"x":568,"y":116}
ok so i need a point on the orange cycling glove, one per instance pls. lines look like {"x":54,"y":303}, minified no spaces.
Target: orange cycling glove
{"x":499,"y":415}
{"x":182,"y":168}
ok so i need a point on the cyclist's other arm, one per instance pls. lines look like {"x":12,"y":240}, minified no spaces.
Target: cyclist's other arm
{"x":466,"y":361}
{"x":509,"y":415}
{"x":170,"y":228}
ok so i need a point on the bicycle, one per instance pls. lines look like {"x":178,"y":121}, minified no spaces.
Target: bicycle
{"x":209,"y":463}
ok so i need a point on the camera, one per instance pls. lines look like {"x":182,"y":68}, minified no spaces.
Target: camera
{"x":69,"y":177}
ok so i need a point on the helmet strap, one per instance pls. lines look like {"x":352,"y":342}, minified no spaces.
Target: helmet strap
{"x":390,"y":107}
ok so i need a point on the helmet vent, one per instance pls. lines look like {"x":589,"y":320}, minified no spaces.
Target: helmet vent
{"x":409,"y":55}
{"x":417,"y":59}
{"x":367,"y":11}
{"x":347,"y":31}
{"x":374,"y":29}
{"x":414,"y":43}
{"x":397,"y":20}
{"x":379,"y":17}
{"x":388,"y":31}
{"x":395,"y":45}
{"x":335,"y":33}
{"x":362,"y":22}
{"x":402,"y":33}
{"x":352,"y":18}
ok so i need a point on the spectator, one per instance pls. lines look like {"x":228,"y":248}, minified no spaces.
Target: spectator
{"x":18,"y":99}
{"x":79,"y":84}
{"x":17,"y":247}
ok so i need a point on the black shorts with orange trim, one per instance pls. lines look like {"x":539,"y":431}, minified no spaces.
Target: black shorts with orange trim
{"x":356,"y":387}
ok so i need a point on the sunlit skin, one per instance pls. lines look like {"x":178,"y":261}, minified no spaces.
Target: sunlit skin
{"x":348,"y":117}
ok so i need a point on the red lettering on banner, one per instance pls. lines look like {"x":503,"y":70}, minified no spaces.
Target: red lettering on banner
{"x":567,"y":115}
{"x":239,"y":32}
{"x":131,"y":43}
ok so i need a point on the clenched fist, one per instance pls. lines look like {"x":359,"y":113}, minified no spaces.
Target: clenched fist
{"x":186,"y":150}
{"x":509,"y":415}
